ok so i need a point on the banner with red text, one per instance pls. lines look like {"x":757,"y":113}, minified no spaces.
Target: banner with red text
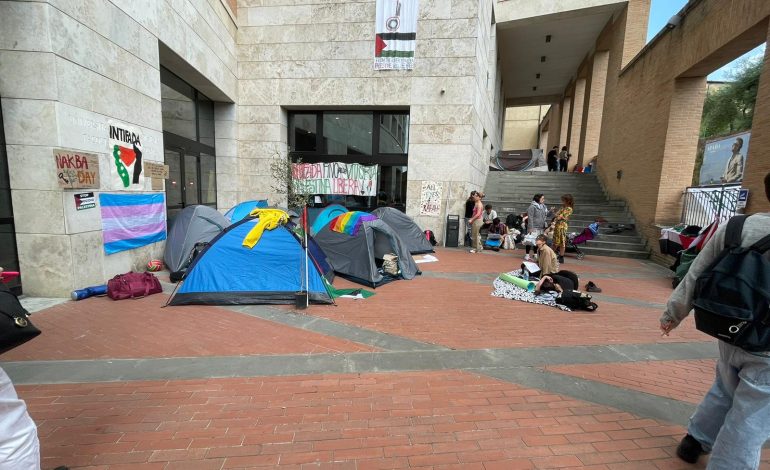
{"x":334,"y":178}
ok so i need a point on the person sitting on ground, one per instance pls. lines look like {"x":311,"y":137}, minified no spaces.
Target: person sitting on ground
{"x":499,"y":231}
{"x":488,"y":216}
{"x":546,"y":257}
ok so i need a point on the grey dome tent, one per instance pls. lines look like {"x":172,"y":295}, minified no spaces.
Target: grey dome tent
{"x":354,"y":257}
{"x":406,"y":228}
{"x":194,"y":225}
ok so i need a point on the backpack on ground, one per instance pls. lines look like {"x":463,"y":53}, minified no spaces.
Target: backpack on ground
{"x":430,"y":237}
{"x":15,"y":326}
{"x":732,"y":296}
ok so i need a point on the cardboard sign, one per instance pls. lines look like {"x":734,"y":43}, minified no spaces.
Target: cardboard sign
{"x":84,"y":201}
{"x":156,"y":170}
{"x":430,"y":198}
{"x":76,"y":170}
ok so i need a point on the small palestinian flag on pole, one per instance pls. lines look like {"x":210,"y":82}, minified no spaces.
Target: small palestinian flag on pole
{"x":396,"y":30}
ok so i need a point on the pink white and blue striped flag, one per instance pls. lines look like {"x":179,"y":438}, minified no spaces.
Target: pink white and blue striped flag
{"x":132,"y":220}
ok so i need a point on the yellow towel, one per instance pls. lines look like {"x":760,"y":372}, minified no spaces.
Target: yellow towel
{"x":268,"y":220}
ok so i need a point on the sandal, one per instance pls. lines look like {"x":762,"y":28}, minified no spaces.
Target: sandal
{"x":591,"y":287}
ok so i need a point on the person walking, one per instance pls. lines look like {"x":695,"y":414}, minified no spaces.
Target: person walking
{"x":476,"y":223}
{"x":561,"y":224}
{"x":553,"y":159}
{"x":733,"y":420}
{"x":537,"y":215}
{"x":564,"y":159}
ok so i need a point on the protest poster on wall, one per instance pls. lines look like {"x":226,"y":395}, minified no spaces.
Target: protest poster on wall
{"x":430,"y":198}
{"x":125,"y":156}
{"x":76,"y":170}
{"x":395,"y":34}
{"x":334,"y":178}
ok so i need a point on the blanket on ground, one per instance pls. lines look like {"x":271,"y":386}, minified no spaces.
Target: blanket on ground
{"x":509,"y":291}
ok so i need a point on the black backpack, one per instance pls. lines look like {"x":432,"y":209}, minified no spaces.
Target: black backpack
{"x":732,"y":296}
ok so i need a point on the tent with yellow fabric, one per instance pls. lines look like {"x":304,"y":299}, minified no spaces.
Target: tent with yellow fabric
{"x":259,"y":260}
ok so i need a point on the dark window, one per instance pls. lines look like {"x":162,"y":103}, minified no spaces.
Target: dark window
{"x":9,"y":258}
{"x":188,"y":136}
{"x":366,"y":137}
{"x":347,"y":134}
{"x":304,"y":137}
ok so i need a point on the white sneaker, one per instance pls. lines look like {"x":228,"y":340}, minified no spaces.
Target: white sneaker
{"x":472,"y":251}
{"x":527,"y":258}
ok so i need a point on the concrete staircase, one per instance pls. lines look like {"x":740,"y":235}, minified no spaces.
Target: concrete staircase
{"x":511,"y":192}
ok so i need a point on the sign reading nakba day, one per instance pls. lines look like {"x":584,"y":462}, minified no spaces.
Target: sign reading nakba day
{"x":334,"y":178}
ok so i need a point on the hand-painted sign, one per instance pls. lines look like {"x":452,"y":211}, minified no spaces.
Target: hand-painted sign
{"x":84,"y":201}
{"x":395,"y":34}
{"x":76,"y":170}
{"x":125,"y":154}
{"x":334,"y":178}
{"x":430,"y":198}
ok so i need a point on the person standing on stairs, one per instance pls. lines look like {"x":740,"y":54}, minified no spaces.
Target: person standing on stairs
{"x":537,"y":221}
{"x":564,"y":159}
{"x":561,"y":224}
{"x":553,"y":159}
{"x":469,"y":204}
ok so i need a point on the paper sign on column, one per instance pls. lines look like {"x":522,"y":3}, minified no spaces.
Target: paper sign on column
{"x":156,"y":170}
{"x":76,"y":170}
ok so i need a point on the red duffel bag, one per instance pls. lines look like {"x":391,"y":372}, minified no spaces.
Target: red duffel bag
{"x":133,"y":285}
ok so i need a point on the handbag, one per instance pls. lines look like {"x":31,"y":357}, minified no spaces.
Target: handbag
{"x":133,"y":285}
{"x":529,"y":239}
{"x":15,"y":326}
{"x":575,"y":300}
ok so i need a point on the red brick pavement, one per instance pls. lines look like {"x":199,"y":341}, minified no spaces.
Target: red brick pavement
{"x":681,"y":380}
{"x":441,"y":420}
{"x":103,"y":328}
{"x":463,"y":315}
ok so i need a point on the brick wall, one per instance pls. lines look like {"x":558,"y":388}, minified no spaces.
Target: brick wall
{"x":653,"y":107}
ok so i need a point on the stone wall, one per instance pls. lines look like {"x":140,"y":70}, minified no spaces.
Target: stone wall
{"x":66,"y":70}
{"x":310,"y":55}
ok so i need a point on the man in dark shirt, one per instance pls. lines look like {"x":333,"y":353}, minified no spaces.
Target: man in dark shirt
{"x":553,"y":159}
{"x":468,"y":214}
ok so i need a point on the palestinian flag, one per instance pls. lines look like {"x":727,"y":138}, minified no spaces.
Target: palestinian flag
{"x":396,"y":31}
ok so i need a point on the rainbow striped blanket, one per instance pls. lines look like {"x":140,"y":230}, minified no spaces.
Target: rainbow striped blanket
{"x":350,"y":222}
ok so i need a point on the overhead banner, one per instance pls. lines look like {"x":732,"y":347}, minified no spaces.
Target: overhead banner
{"x":724,"y":159}
{"x":396,"y":31}
{"x":125,"y":155}
{"x":334,"y":178}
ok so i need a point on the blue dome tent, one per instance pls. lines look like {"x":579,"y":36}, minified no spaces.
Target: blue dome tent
{"x":325,"y":216}
{"x":228,"y":273}
{"x":243,"y":209}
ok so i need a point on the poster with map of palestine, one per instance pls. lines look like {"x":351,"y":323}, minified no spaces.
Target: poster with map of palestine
{"x":396,"y":30}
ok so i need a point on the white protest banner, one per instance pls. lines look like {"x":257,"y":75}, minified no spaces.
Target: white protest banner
{"x":395,"y":34}
{"x":334,"y":178}
{"x":430,"y":198}
{"x":125,"y":156}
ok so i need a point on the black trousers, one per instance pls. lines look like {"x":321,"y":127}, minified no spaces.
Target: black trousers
{"x":553,"y":164}
{"x":562,"y":165}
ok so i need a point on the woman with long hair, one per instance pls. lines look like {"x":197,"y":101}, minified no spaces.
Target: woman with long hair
{"x":561,"y":224}
{"x":537,"y":215}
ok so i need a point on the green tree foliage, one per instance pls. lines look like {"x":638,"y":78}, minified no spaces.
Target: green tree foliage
{"x":730,"y":109}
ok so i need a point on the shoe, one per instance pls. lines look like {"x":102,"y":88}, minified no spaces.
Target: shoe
{"x":591,"y":287}
{"x":561,"y":259}
{"x":527,"y":258}
{"x":471,"y":251}
{"x":689,"y":449}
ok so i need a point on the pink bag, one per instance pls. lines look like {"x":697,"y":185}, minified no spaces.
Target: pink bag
{"x":133,"y":285}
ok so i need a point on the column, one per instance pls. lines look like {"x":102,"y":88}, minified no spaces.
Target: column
{"x":594,"y":109}
{"x":757,"y":163}
{"x":566,"y":110}
{"x":576,"y":123}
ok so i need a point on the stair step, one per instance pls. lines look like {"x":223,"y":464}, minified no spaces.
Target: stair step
{"x":613,"y":245}
{"x":616,"y":253}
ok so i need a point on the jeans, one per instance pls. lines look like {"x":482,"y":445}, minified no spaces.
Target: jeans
{"x":562,"y":165}
{"x":733,"y":420}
